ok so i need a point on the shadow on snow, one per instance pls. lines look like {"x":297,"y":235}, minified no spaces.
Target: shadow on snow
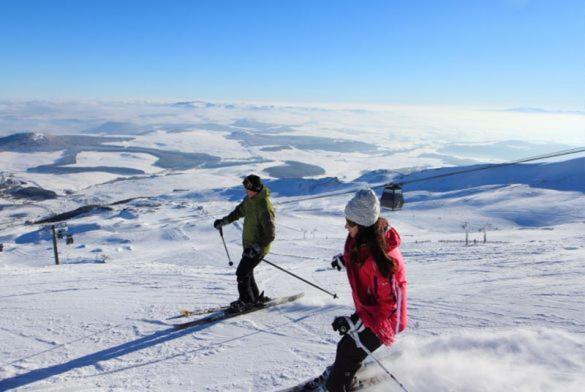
{"x":151,"y":340}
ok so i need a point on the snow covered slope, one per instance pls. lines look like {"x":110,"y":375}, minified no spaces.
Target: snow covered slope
{"x":496,"y":316}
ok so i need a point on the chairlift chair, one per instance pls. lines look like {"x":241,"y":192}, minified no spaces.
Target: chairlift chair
{"x":392,"y":197}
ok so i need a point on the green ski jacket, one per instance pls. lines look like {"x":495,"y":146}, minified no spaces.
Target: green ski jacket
{"x":258,"y":214}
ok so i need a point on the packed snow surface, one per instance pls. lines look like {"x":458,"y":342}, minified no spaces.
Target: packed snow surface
{"x":504,"y":315}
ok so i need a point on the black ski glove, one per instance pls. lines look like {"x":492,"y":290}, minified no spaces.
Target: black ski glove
{"x":218,"y":223}
{"x":253,"y":251}
{"x":341,"y":324}
{"x":337,"y":262}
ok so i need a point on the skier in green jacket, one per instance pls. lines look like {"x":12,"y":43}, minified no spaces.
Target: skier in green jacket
{"x":258,"y":233}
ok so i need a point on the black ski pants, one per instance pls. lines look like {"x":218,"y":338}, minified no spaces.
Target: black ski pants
{"x":247,"y":287}
{"x":349,"y":359}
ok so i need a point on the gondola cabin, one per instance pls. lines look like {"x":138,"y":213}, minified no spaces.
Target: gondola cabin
{"x":392,"y":197}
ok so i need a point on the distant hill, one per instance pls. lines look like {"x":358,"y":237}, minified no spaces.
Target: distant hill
{"x":41,"y":142}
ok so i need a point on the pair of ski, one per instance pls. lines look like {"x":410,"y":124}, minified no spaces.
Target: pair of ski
{"x":225,"y":312}
{"x":220,"y":313}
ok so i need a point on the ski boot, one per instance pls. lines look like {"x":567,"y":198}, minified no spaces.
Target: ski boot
{"x":239,"y":306}
{"x":318,"y":383}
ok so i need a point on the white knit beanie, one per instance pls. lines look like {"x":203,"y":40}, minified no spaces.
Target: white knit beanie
{"x":363,"y":208}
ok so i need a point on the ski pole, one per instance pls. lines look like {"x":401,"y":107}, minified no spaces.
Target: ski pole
{"x":357,"y":340}
{"x":225,"y":246}
{"x":298,"y":277}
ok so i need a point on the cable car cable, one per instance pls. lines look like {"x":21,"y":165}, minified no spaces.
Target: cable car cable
{"x":485,"y":167}
{"x":498,"y":165}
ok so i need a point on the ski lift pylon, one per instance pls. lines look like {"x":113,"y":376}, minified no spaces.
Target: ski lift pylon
{"x":392,"y":197}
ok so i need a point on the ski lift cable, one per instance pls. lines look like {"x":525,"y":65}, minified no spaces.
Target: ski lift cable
{"x":323,"y":196}
{"x":498,"y":165}
{"x":486,"y":167}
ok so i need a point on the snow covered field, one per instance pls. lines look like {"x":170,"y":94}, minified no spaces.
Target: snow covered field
{"x":506,"y":315}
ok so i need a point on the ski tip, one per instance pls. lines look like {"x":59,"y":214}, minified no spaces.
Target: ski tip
{"x":295,"y":296}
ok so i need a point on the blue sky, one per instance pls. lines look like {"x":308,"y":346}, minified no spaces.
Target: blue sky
{"x":470,"y":52}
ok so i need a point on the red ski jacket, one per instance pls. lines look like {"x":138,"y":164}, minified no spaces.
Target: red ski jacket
{"x":380,"y":302}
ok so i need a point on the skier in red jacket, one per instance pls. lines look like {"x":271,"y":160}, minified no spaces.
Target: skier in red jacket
{"x":377,"y":277}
